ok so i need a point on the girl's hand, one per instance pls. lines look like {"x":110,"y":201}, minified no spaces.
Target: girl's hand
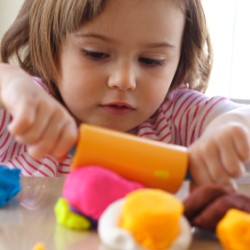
{"x":39,"y":121}
{"x":221,"y":152}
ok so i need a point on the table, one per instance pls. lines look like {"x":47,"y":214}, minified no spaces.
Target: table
{"x":30,"y":218}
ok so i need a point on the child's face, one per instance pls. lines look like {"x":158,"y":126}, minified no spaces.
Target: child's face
{"x":116,"y":70}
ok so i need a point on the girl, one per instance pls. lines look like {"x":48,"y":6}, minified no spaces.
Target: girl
{"x":138,"y":66}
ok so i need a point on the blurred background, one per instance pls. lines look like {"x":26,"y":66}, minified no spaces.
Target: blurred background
{"x":228,"y":22}
{"x":8,"y":11}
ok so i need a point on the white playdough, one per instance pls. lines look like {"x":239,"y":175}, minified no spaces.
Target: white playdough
{"x":115,"y":238}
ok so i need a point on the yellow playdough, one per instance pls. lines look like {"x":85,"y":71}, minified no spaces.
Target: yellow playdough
{"x":233,"y":230}
{"x":153,"y":217}
{"x":69,"y":219}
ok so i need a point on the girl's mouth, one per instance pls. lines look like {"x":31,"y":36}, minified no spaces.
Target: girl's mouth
{"x":117,"y":108}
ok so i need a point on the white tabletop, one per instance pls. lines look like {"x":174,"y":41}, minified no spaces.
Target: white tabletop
{"x":30,"y":218}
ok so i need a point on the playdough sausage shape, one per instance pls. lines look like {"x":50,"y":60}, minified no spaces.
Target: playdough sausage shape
{"x":151,"y":163}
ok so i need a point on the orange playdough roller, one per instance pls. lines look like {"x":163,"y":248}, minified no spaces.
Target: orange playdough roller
{"x":154,"y":164}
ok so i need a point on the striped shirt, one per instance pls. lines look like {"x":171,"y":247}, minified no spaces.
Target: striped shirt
{"x":180,"y":120}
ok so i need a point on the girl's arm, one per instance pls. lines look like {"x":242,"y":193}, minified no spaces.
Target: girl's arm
{"x":39,"y":121}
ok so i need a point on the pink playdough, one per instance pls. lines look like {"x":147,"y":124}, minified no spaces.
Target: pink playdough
{"x":91,"y":189}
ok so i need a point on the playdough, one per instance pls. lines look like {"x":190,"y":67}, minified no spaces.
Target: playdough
{"x":86,"y":194}
{"x":91,"y":189}
{"x":68,"y":218}
{"x":145,"y":219}
{"x":233,"y":230}
{"x":10,"y":184}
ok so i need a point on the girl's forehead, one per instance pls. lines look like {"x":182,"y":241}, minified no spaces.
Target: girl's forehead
{"x":142,"y":5}
{"x":68,"y":16}
{"x":138,"y":18}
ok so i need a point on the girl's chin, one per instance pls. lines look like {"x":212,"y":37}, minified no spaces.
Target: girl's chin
{"x":114,"y":126}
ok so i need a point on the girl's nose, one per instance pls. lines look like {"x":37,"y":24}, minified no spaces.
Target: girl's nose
{"x":123,"y":78}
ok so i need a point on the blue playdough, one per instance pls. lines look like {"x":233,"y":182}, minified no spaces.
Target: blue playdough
{"x":10,"y":184}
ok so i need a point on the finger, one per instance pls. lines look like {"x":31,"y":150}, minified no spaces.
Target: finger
{"x":241,"y":142}
{"x":214,"y":164}
{"x":36,"y":132}
{"x":23,"y":118}
{"x":201,"y":197}
{"x":67,"y":140}
{"x":197,"y":167}
{"x":59,"y":134}
{"x":230,"y":158}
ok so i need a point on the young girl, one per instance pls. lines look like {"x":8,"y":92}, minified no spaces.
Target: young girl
{"x":135,"y":66}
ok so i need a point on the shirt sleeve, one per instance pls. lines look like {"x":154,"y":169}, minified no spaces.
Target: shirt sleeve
{"x":193,"y":111}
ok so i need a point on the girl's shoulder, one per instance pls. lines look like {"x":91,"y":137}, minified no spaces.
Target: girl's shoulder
{"x":183,"y":93}
{"x":186,"y":98}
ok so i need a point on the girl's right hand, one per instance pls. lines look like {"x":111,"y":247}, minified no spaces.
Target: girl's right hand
{"x":39,"y":121}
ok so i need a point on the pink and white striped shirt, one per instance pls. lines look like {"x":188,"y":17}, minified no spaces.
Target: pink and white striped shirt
{"x":180,"y":120}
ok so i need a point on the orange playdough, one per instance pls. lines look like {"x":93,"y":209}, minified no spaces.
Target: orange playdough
{"x":233,"y":230}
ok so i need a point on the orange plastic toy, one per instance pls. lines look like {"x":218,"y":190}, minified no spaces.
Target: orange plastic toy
{"x":154,"y":164}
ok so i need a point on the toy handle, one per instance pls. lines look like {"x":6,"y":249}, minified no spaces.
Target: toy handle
{"x":154,"y":164}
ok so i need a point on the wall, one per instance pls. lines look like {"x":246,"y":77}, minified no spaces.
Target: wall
{"x":8,"y":12}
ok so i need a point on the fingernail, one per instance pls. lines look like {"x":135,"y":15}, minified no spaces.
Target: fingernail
{"x":234,"y":184}
{"x":243,"y":170}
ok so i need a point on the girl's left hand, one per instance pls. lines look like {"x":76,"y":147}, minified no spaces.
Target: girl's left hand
{"x":221,"y":153}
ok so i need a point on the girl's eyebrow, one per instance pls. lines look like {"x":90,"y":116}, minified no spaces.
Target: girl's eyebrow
{"x":106,"y":39}
{"x":94,"y":35}
{"x":161,"y":45}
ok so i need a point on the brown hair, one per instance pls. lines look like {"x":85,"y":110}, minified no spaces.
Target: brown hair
{"x":196,"y":55}
{"x":41,"y":26}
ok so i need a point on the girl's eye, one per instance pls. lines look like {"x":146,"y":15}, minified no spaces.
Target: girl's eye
{"x":95,"y":55}
{"x":150,"y":61}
